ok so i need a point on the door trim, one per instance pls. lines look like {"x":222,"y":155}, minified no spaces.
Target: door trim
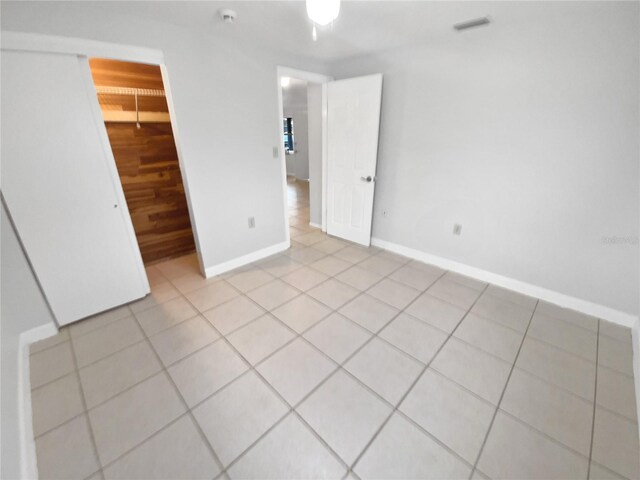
{"x":314,"y":78}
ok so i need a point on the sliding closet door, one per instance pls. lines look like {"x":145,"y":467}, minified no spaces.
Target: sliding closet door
{"x":61,"y":186}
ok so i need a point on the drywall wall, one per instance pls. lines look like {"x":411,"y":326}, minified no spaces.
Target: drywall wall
{"x":23,"y":308}
{"x":225,"y":98}
{"x":526,"y":134}
{"x":314,"y":123}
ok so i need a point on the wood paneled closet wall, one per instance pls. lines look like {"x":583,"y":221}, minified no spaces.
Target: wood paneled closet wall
{"x":147,"y":161}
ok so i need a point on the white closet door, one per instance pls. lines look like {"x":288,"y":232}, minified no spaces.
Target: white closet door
{"x":353,"y":107}
{"x":61,"y":186}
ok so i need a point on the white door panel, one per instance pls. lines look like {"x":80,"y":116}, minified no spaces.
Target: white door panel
{"x":353,"y":124}
{"x":61,"y":187}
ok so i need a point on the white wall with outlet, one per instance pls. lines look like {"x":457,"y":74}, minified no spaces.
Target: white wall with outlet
{"x":525,"y":134}
{"x":225,"y":96}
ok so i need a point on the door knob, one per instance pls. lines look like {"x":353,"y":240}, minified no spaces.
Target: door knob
{"x":367,"y":179}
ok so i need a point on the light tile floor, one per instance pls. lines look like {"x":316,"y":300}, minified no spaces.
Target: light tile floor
{"x":334,"y":361}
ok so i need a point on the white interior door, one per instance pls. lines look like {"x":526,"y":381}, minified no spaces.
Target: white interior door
{"x":61,"y":186}
{"x":353,"y":109}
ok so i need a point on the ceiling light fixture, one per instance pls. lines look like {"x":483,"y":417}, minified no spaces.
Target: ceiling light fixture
{"x":284,"y":82}
{"x":323,"y":12}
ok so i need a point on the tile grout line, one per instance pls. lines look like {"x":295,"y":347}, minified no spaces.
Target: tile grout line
{"x":595,"y":395}
{"x":94,"y":444}
{"x":184,"y":402}
{"x":504,"y":389}
{"x":426,"y":367}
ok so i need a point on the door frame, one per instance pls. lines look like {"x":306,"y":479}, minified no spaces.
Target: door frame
{"x":34,"y":42}
{"x":313,"y":78}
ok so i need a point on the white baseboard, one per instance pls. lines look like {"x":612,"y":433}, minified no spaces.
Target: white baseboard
{"x":246,"y":259}
{"x":635,"y":334}
{"x":28,"y":461}
{"x":566,"y":301}
{"x":315,"y":225}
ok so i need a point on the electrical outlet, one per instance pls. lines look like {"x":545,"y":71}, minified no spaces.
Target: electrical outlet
{"x":457,"y":229}
{"x":252,"y":222}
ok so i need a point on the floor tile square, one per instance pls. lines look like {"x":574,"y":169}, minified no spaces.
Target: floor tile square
{"x":185,"y":338}
{"x":616,"y":392}
{"x":178,"y":451}
{"x":436,"y":312}
{"x":402,"y":451}
{"x":311,"y":238}
{"x":414,"y":337}
{"x":615,"y":355}
{"x":250,"y":279}
{"x":450,"y":413}
{"x":156,"y":319}
{"x":206,"y":371}
{"x":100,"y":343}
{"x":97,"y":321}
{"x":558,"y":367}
{"x":108,"y":377}
{"x":160,"y":293}
{"x":483,"y":374}
{"x":55,"y":403}
{"x":420,"y":279}
{"x":233,"y":314}
{"x":330,"y":265}
{"x":564,"y":335}
{"x":464,"y":281}
{"x":192,"y":281}
{"x":154,"y":275}
{"x":330,"y":245}
{"x":453,"y":292}
{"x":551,"y":410}
{"x":393,"y":293}
{"x":295,"y":370}
{"x":212,"y":295}
{"x":359,"y":278}
{"x":514,"y":450}
{"x":289,"y":451}
{"x":41,"y":345}
{"x":126,"y":420}
{"x":614,"y":331}
{"x":305,"y":255}
{"x":513,"y":297}
{"x":67,"y":451}
{"x":301,"y":313}
{"x":333,"y":293}
{"x":177,"y":267}
{"x":354,"y":254}
{"x":344,"y":414}
{"x":238,"y":415}
{"x":337,"y":337}
{"x":571,"y":316}
{"x":260,"y":338}
{"x":491,"y":337}
{"x":304,"y":278}
{"x":503,"y":312}
{"x":369,"y":312}
{"x":380,"y":265}
{"x":598,"y":472}
{"x":615,"y":443}
{"x":384,"y":369}
{"x":50,"y":364}
{"x":280,"y":265}
{"x":273,"y":294}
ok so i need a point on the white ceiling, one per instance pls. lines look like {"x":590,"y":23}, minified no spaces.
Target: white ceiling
{"x":363,"y":27}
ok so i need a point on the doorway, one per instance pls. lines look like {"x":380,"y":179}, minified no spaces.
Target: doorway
{"x":136,"y":115}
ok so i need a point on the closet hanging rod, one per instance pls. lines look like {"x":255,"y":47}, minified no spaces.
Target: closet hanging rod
{"x":141,"y":92}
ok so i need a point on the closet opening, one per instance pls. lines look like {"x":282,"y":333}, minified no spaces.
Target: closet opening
{"x":136,"y":115}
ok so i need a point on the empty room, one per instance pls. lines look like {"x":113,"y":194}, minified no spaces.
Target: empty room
{"x":320,"y":239}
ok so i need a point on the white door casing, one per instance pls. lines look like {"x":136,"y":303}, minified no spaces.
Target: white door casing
{"x":61,"y":187}
{"x":353,"y":107}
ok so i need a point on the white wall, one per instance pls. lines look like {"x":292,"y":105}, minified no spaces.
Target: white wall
{"x":225,"y":97}
{"x":23,"y":308}
{"x":314,"y":119}
{"x":526,"y":133}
